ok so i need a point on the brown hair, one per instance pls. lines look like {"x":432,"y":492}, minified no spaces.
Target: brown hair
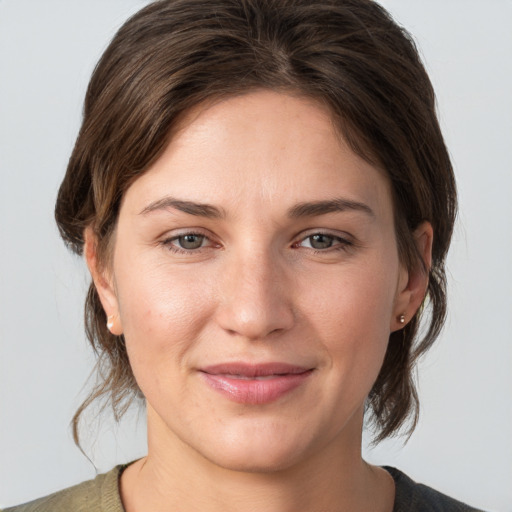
{"x":348,"y":54}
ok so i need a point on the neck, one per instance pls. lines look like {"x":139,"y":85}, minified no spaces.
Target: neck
{"x":174,"y":476}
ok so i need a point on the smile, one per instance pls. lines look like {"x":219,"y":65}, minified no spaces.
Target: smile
{"x":254,"y":384}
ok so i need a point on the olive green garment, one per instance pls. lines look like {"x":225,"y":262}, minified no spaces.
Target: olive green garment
{"x":98,"y":495}
{"x":102,"y":495}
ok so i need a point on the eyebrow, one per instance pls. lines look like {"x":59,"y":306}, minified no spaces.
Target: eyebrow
{"x":305,"y":209}
{"x":190,"y":207}
{"x":317,"y":208}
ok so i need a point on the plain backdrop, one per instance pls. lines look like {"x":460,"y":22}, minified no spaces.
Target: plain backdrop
{"x":463,"y":444}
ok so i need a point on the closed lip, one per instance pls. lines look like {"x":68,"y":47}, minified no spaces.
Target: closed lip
{"x":250,"y":370}
{"x":255,"y":383}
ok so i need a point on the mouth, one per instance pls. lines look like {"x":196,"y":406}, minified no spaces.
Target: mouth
{"x":255,"y":384}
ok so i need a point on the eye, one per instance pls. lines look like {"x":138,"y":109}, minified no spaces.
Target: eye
{"x":320,"y":241}
{"x":187,"y":243}
{"x":323,"y":242}
{"x":190,"y":241}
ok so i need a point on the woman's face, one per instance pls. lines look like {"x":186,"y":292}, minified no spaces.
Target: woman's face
{"x":256,"y":279}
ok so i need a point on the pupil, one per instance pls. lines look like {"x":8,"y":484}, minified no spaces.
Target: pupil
{"x":321,"y":241}
{"x":191,"y":241}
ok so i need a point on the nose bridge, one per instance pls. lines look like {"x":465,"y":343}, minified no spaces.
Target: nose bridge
{"x":255,"y":299}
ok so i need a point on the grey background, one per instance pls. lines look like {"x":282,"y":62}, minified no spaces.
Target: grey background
{"x":463,"y":444}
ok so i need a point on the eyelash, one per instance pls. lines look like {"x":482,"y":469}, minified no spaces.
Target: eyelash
{"x":168,"y":243}
{"x":338,"y":243}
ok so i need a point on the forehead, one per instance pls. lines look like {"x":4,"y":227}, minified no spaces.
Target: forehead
{"x":263,"y":148}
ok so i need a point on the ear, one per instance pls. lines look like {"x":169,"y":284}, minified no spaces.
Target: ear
{"x":103,"y":282}
{"x":412,"y":284}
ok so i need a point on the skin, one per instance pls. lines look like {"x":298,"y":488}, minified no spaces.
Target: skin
{"x":257,"y":289}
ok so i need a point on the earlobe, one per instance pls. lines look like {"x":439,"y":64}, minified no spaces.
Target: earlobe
{"x":413,"y":283}
{"x":103,"y":283}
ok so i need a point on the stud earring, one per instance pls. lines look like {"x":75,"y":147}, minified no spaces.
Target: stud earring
{"x":110,"y":322}
{"x":401,"y":319}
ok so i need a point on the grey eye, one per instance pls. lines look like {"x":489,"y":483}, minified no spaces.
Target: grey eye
{"x":190,"y":241}
{"x":320,"y":241}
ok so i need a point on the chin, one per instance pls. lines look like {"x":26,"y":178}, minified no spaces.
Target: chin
{"x":265,"y":451}
{"x":256,"y":461}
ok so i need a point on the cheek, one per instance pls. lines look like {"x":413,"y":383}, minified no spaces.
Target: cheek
{"x":162,"y":316}
{"x":350,"y":311}
{"x":355,"y":299}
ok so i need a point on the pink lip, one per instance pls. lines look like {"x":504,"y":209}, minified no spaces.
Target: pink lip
{"x":254,"y":384}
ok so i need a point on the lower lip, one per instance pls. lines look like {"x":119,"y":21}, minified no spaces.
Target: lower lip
{"x":253,"y":391}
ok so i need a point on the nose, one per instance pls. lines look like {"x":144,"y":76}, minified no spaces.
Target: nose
{"x":256,"y":296}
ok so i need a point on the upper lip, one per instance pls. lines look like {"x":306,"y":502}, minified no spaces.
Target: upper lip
{"x":254,"y":370}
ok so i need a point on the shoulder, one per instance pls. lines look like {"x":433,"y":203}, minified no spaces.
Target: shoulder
{"x":413,"y":497}
{"x":98,"y":495}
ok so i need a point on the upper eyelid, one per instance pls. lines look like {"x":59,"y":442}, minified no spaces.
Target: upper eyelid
{"x":169,"y":239}
{"x":336,"y":239}
{"x":176,"y":233}
{"x":326,"y":232}
{"x":170,"y":244}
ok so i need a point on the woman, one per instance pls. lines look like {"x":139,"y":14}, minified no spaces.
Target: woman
{"x":264,"y":199}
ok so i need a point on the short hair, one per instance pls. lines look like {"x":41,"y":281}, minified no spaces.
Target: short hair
{"x":351,"y":56}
